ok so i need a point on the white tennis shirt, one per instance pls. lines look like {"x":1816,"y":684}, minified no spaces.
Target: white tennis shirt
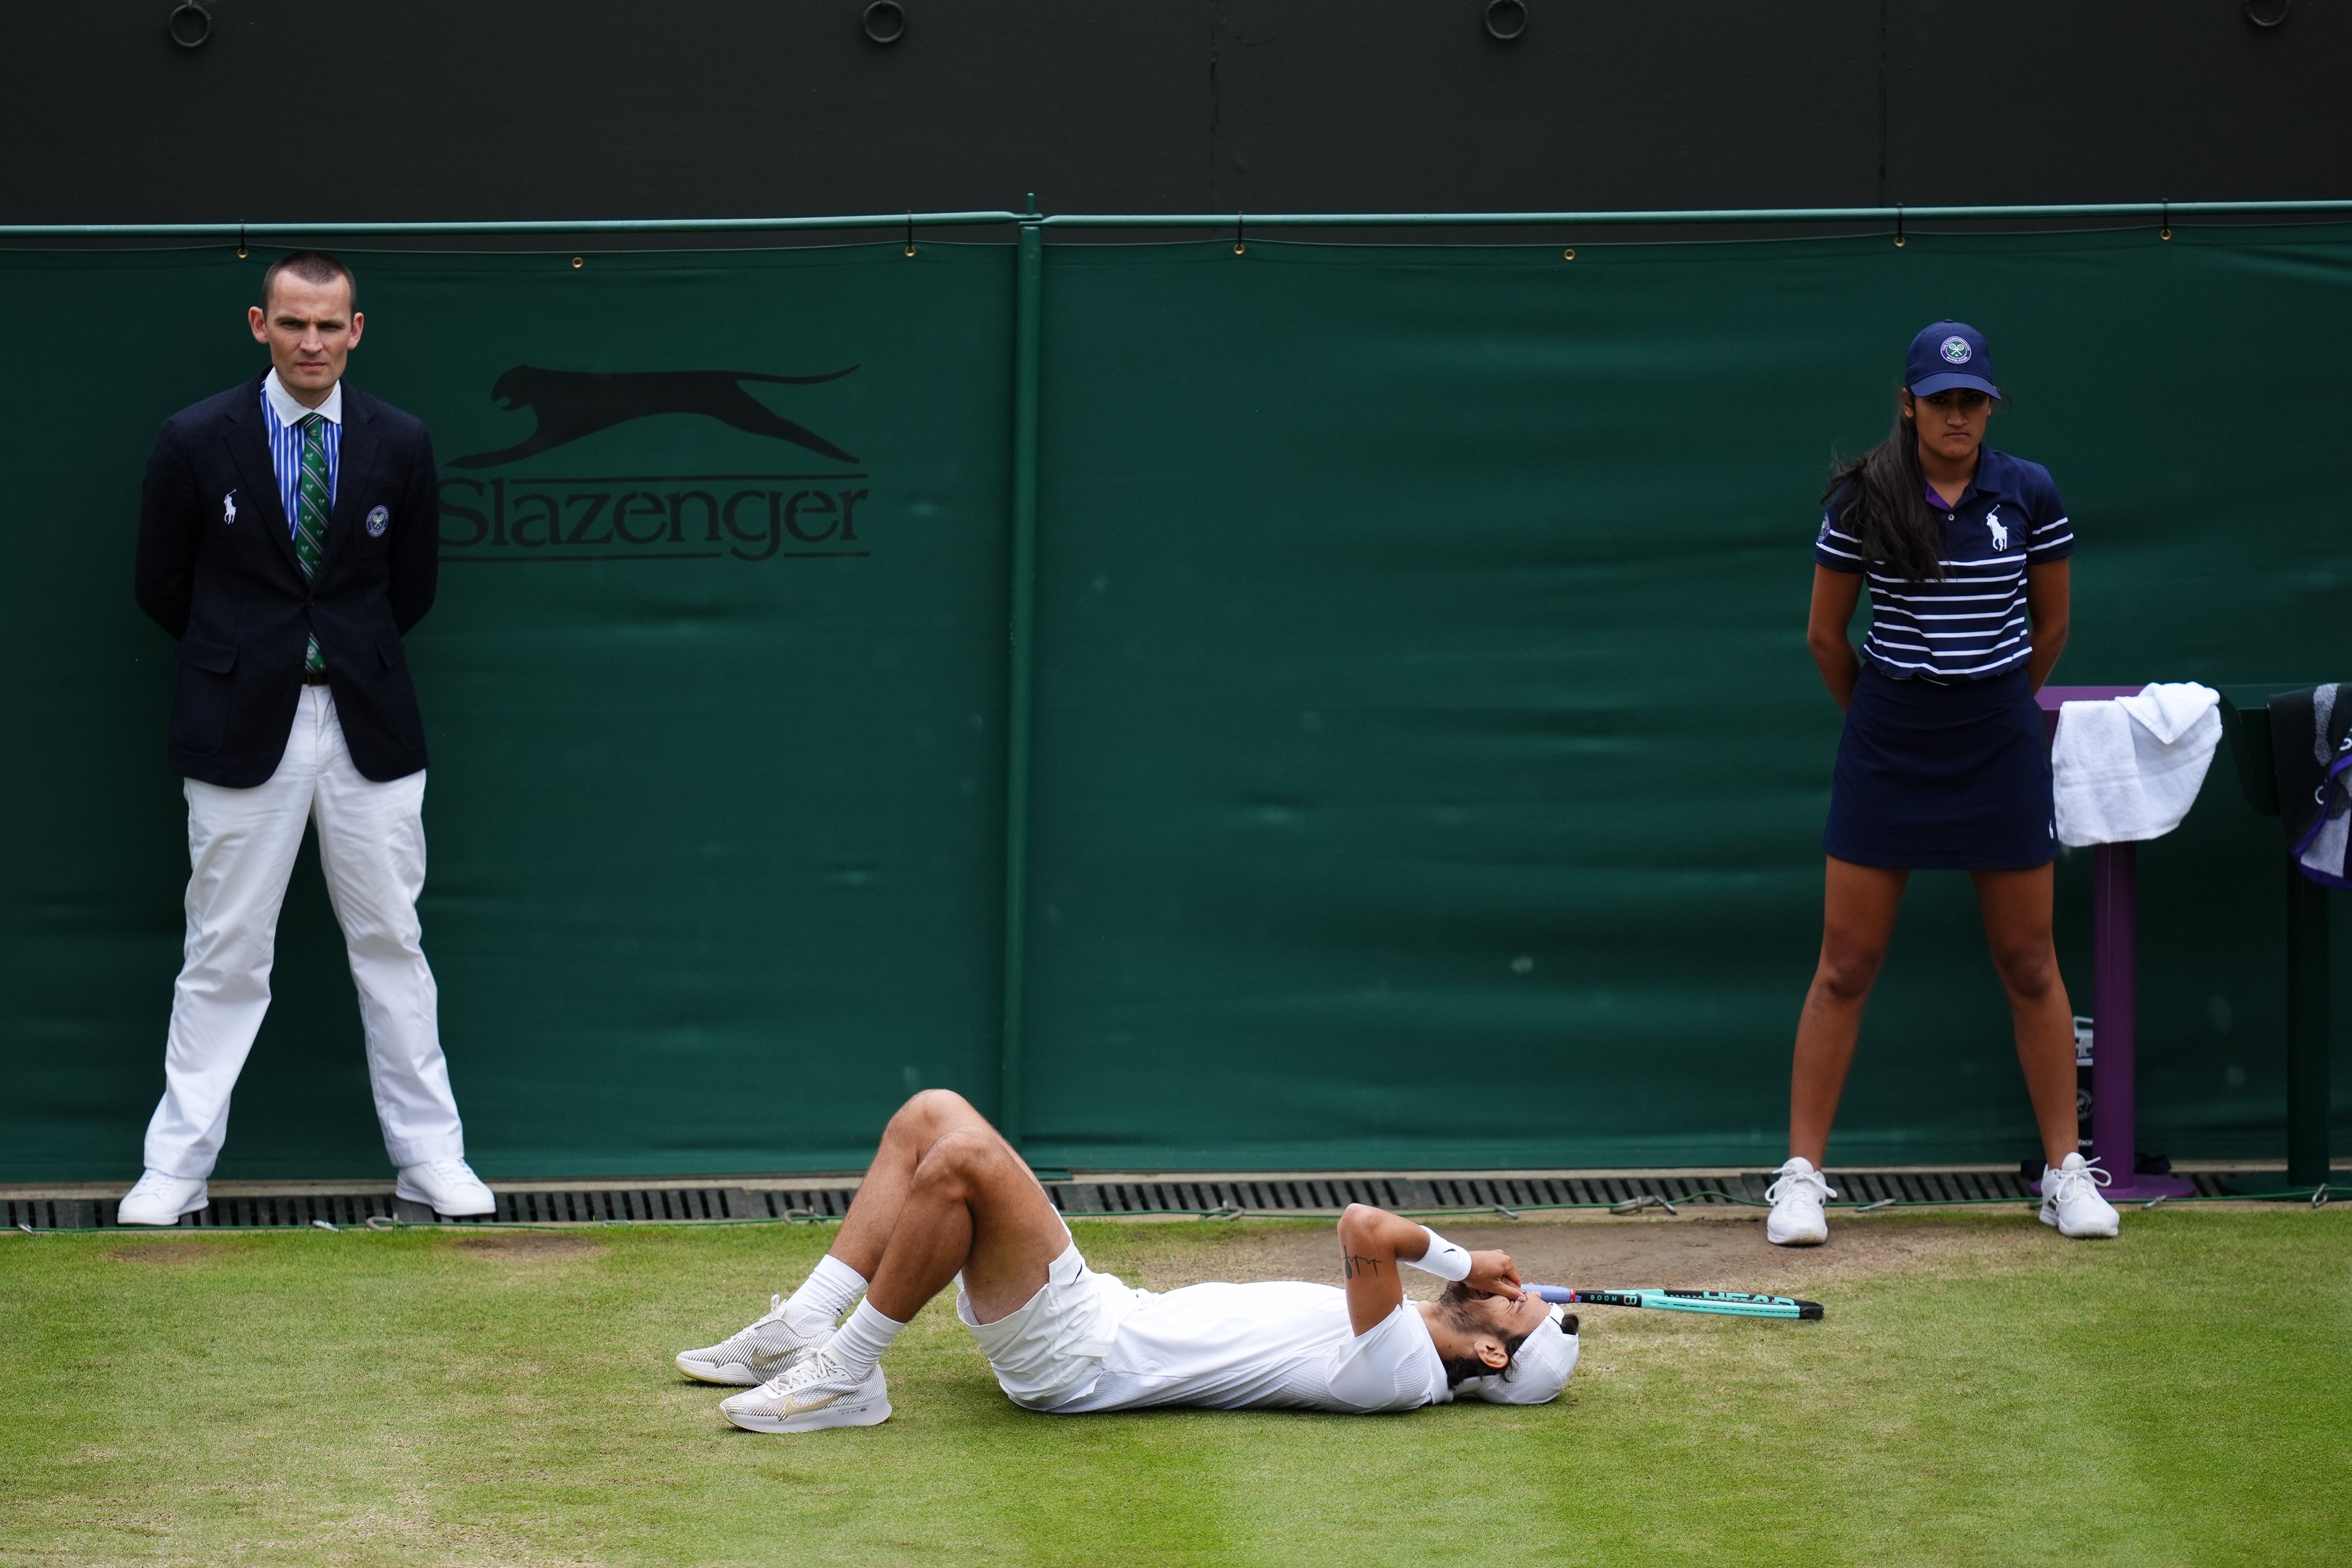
{"x":1281,"y":1344}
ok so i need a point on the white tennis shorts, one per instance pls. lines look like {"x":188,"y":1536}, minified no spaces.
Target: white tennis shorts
{"x":1050,"y":1349}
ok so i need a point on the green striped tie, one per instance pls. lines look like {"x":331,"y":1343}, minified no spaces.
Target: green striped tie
{"x":311,"y":517}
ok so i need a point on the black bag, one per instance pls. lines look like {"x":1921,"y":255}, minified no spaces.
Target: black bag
{"x":2311,"y":748}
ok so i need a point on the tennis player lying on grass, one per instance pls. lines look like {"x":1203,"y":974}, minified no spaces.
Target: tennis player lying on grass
{"x":948,"y":1199}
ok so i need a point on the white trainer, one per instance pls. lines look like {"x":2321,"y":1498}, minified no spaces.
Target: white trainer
{"x":816,"y":1392}
{"x":2071,"y":1200}
{"x":447,"y":1186}
{"x":750,"y":1356}
{"x":158,"y":1199}
{"x":1797,"y":1219}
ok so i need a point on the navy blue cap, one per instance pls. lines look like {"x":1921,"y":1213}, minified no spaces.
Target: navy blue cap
{"x":1949,"y":354}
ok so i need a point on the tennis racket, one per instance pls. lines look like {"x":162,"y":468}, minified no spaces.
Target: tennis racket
{"x":1726,"y":1303}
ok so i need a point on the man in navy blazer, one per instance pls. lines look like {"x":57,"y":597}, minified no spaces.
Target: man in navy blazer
{"x":288,"y":541}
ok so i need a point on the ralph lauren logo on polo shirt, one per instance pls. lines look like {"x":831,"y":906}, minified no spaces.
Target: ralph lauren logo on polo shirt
{"x":2000,"y":529}
{"x":644,"y":513}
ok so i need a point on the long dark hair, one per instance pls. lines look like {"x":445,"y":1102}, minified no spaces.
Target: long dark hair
{"x":1878,"y":500}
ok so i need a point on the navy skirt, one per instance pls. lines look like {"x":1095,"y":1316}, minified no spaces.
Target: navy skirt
{"x":1942,"y":776}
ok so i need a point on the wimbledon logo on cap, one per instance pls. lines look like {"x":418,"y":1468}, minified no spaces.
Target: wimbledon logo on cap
{"x":1956,"y":350}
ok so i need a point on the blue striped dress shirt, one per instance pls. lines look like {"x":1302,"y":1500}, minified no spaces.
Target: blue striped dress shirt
{"x":281,"y":416}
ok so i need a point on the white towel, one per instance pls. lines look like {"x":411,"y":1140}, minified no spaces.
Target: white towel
{"x":2130,"y":768}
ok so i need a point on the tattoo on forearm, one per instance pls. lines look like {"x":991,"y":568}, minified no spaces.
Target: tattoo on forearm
{"x":1365,"y":1265}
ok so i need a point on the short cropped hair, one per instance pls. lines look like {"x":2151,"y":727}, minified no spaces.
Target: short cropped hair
{"x":311,"y":266}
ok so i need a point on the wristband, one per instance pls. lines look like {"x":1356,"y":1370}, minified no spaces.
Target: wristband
{"x":1444,"y":1258}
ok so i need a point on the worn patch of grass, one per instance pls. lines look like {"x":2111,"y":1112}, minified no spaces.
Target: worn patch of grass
{"x":2182,"y":1396}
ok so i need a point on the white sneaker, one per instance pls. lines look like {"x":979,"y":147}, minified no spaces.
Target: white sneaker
{"x":2071,"y":1200}
{"x":158,"y":1199}
{"x":770,"y":1347}
{"x":815,"y":1392}
{"x":1797,"y":1219}
{"x":447,"y":1186}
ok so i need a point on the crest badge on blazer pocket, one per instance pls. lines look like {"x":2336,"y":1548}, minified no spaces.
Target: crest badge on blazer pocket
{"x":378,"y":519}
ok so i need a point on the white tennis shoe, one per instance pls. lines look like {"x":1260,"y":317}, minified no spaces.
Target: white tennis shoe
{"x":2071,"y":1200}
{"x":1797,"y":1219}
{"x":447,"y":1186}
{"x":816,"y":1392}
{"x":750,"y":1357}
{"x":158,"y":1199}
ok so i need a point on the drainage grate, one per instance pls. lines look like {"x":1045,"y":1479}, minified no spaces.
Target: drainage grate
{"x":265,"y":1211}
{"x":53,"y":1214}
{"x":1301,"y":1195}
{"x":1957,"y":1186}
{"x":1330,"y":1194}
{"x":1927,"y":1186}
{"x":671,"y":1205}
{"x":577,"y":1207}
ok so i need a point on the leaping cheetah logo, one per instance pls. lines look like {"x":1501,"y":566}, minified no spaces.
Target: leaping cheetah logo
{"x":571,"y":404}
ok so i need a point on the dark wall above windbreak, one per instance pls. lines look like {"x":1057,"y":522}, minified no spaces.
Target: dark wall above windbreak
{"x":597,"y":107}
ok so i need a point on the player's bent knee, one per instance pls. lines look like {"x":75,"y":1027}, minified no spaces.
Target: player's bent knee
{"x":962,"y":1159}
{"x":935,"y":1110}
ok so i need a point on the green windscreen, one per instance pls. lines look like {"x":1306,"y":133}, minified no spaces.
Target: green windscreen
{"x":1431,"y":769}
{"x":715,"y":809}
{"x":1428,"y":770}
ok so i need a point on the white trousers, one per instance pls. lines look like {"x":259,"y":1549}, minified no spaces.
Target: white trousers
{"x":241,"y":850}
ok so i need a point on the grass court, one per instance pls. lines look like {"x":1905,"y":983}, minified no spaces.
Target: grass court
{"x":1980,"y":1393}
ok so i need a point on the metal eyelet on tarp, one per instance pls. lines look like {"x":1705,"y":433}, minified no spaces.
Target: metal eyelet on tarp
{"x":190,"y":25}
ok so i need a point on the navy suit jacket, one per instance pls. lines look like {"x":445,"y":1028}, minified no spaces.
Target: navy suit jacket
{"x":216,"y":569}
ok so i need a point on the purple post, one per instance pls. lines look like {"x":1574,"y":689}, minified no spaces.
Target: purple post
{"x":2115,"y":998}
{"x":2114,"y":1045}
{"x":2115,"y":986}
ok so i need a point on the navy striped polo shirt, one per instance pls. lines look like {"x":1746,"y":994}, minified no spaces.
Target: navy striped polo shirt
{"x":1970,"y":624}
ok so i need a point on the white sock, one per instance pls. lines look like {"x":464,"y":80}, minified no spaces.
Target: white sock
{"x":862,"y":1340}
{"x":824,"y":1296}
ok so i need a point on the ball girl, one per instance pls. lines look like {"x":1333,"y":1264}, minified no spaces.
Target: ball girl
{"x":1943,"y":765}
